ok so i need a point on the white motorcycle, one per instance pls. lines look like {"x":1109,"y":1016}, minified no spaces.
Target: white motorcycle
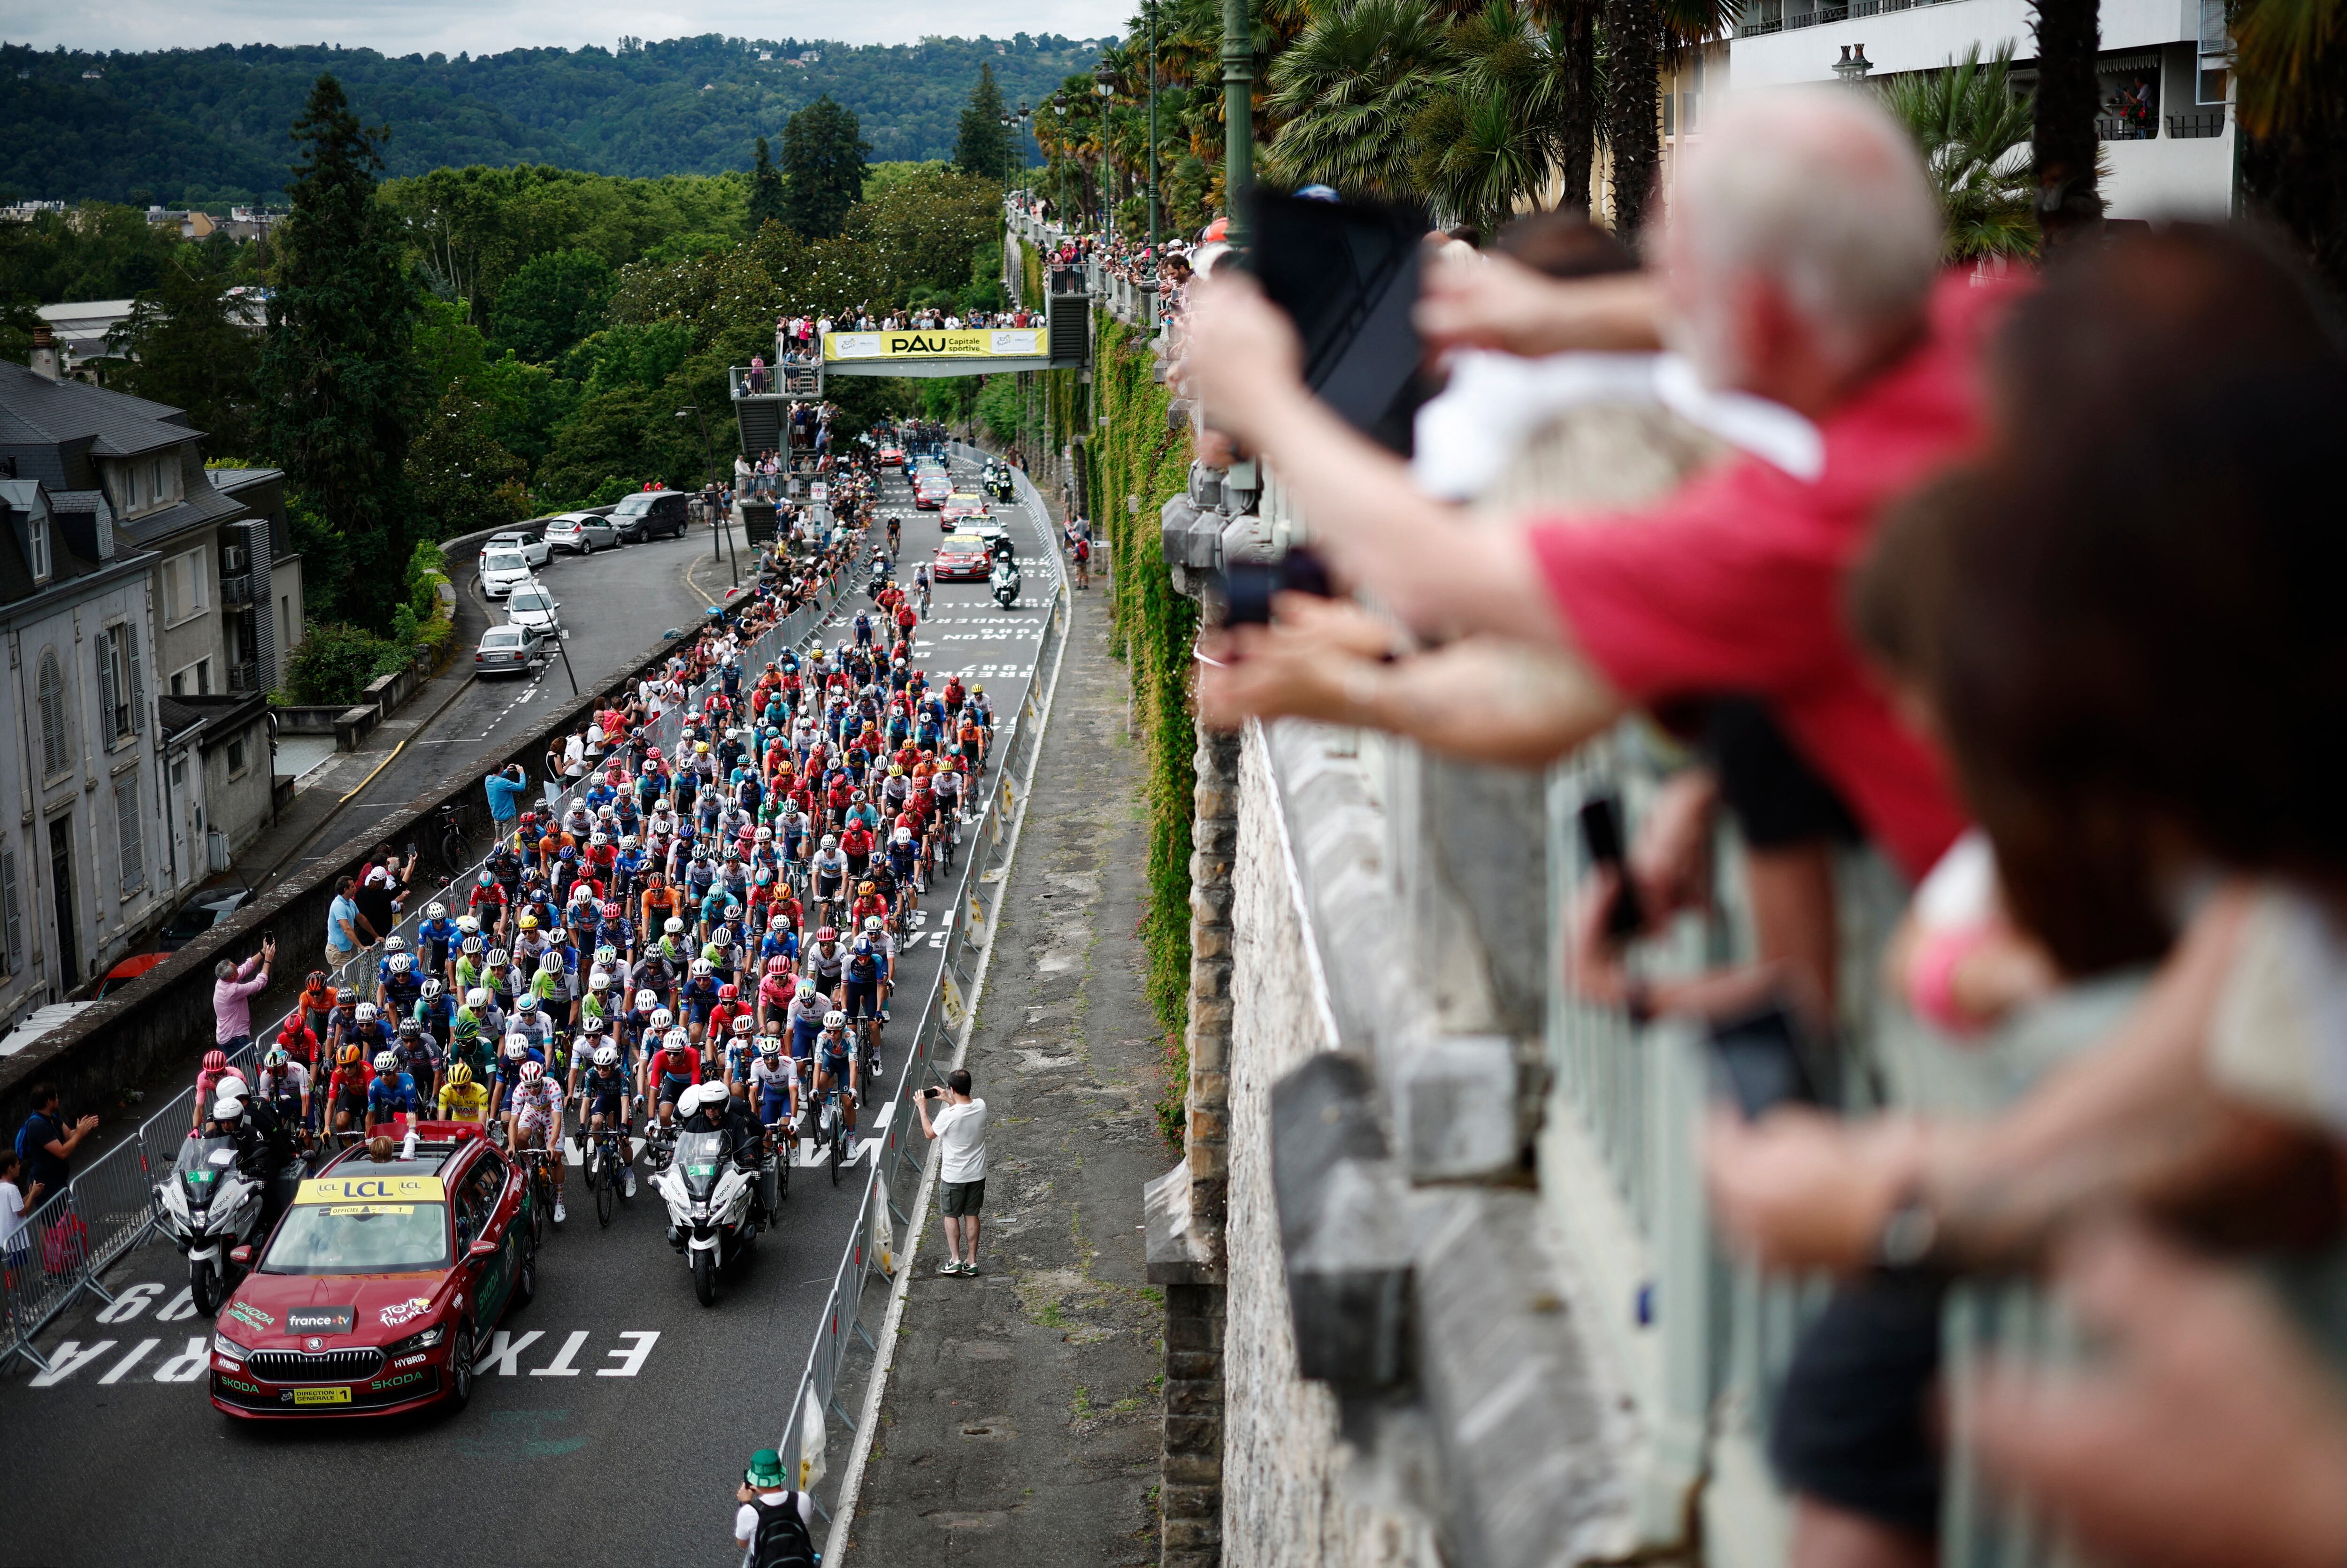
{"x":715,"y":1209}
{"x":211,"y":1207}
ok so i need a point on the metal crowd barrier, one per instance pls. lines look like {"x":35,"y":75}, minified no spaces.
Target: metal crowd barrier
{"x":108,"y":1207}
{"x":892,"y":1188}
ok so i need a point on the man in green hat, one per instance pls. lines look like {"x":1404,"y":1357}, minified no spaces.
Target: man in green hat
{"x":772,"y":1526}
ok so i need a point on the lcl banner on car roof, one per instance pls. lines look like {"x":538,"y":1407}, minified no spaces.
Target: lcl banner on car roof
{"x":986,"y":342}
{"x":361,"y":1189}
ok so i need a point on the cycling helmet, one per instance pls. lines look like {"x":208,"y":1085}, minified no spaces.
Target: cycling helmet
{"x":395,"y":943}
{"x":527,"y":1002}
{"x":702,"y":968}
{"x":531,"y":1070}
{"x":487,"y":880}
{"x":435,"y":911}
{"x":599,"y":979}
{"x":732,"y":912}
{"x":778,"y":964}
{"x":742,"y":1024}
{"x":351,"y":1056}
{"x":663,"y":1019}
{"x":610,"y":911}
{"x":831,"y":841}
{"x":459,"y":1075}
{"x":834,"y":1018}
{"x":646,"y":1001}
{"x":215,"y":1061}
{"x":728,"y":993}
{"x":607,"y":1055}
{"x":471,"y":945}
{"x":400,"y":963}
{"x":677,"y":1040}
{"x":827,"y":934}
{"x":498,"y":957}
{"x":596,"y":841}
{"x":517,"y":1047}
{"x":385,"y":1063}
{"x":468,"y":925}
{"x":904,"y":835}
{"x":863,"y":946}
{"x":275,"y":1058}
{"x":432,"y":986}
{"x":872,"y":923}
{"x":606,"y":956}
{"x":769,"y":1047}
{"x":550,"y":963}
{"x":367,"y":1012}
{"x":478,"y":997}
{"x":409,"y":1028}
{"x":314,"y":978}
{"x":672,"y":927}
{"x":529,"y":922}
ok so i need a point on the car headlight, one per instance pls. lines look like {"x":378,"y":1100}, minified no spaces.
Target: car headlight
{"x":424,"y":1341}
{"x":224,"y":1346}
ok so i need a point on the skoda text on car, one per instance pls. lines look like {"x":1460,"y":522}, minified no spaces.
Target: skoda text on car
{"x":502,"y":571}
{"x":960,"y":560}
{"x":375,"y":1291}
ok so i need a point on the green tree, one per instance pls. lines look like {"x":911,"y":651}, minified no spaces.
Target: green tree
{"x":765,"y":191}
{"x":2063,"y":148}
{"x":554,"y":301}
{"x":1972,"y":129}
{"x":1351,"y":91}
{"x":461,"y":478}
{"x":983,"y":147}
{"x":2291,"y":62}
{"x":1633,"y":41}
{"x":187,"y":342}
{"x":822,"y":166}
{"x":340,"y":383}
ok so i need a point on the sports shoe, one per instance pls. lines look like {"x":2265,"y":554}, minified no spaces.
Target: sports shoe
{"x":560,"y":1214}
{"x":968,"y":1270}
{"x":631,"y":1181}
{"x":950,"y":1267}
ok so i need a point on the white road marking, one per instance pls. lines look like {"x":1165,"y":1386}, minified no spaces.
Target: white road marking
{"x":71,"y":1358}
{"x":631,"y":1360}
{"x":504,"y":1349}
{"x":115,"y":1373}
{"x":560,"y":1366}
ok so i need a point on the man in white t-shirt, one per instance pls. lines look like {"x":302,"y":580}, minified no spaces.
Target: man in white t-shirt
{"x":959,"y":1128}
{"x":765,"y":1491}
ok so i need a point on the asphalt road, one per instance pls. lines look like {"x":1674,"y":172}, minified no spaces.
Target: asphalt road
{"x":614,"y":1414}
{"x":616,"y":603}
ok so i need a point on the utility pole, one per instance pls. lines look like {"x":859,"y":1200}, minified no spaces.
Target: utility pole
{"x":1150,"y":9}
{"x":1238,"y":115}
{"x":721,"y":537}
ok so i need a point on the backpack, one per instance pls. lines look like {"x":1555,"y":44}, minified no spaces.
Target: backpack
{"x":781,"y":1539}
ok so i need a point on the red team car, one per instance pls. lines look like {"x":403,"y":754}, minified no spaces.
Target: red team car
{"x":374,"y":1292}
{"x":960,"y":560}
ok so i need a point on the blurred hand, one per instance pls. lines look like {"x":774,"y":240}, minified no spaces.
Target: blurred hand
{"x":1309,"y":664}
{"x":1240,"y":354}
{"x":1490,"y":301}
{"x":1670,"y":854}
{"x":1801,"y":1189}
{"x":2210,"y":1436}
{"x":1594,"y":965}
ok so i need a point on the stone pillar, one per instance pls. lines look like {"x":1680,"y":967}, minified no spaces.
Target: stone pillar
{"x":1188,"y":1261}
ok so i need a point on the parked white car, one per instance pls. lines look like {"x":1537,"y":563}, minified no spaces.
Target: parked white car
{"x":533,"y":547}
{"x":532,"y":606}
{"x":502,"y":572}
{"x":581,"y":532}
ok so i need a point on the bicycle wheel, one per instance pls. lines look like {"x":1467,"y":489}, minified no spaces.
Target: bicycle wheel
{"x":607,"y":1187}
{"x":455,"y":854}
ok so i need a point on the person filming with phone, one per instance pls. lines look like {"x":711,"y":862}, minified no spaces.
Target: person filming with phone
{"x":960,"y":1127}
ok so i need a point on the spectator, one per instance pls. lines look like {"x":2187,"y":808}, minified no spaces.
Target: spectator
{"x":234,"y":986}
{"x":346,"y":930}
{"x":772,"y":1521}
{"x":45,"y":1142}
{"x":374,"y":896}
{"x":508,"y":789}
{"x":18,"y":1198}
{"x":959,"y":1128}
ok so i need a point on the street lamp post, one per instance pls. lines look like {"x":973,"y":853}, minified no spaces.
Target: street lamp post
{"x":1104,"y":92}
{"x":1238,"y":117}
{"x":1150,"y":9}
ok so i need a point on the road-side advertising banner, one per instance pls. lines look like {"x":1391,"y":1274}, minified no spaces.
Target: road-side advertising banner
{"x":985,"y":343}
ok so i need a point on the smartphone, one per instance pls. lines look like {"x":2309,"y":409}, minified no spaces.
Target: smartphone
{"x":1600,"y":837}
{"x":1249,"y":586}
{"x":1761,"y":1060}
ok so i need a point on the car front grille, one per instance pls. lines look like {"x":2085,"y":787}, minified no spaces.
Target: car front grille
{"x":315,"y":1366}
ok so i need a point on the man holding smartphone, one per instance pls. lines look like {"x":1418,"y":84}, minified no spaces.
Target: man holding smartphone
{"x":960,"y":1127}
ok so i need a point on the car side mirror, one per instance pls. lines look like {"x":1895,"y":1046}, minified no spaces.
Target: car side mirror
{"x":480,"y":1251}
{"x":241,"y":1256}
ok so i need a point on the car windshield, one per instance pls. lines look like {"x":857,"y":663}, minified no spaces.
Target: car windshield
{"x":531,"y":599}
{"x":502,"y":638}
{"x":507,"y":563}
{"x":193,"y":921}
{"x":631,"y":506}
{"x":359,"y":1238}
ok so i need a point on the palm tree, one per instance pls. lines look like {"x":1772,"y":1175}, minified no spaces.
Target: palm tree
{"x":2291,"y":60}
{"x":1349,"y":94}
{"x":1973,"y":131}
{"x":2063,"y":148}
{"x":1489,"y":137}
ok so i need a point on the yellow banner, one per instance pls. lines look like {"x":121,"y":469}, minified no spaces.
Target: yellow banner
{"x":984,"y":343}
{"x":355,"y":1189}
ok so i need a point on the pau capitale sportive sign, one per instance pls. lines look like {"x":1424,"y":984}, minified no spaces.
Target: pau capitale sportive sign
{"x":977,"y":342}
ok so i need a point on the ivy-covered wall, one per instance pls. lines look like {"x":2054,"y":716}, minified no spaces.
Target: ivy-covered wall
{"x":1132,"y":467}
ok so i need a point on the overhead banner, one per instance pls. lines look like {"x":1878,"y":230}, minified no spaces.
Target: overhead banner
{"x":985,"y":343}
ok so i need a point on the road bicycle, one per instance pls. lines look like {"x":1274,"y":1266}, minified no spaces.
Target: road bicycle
{"x":535,"y":1162}
{"x":606,"y":1163}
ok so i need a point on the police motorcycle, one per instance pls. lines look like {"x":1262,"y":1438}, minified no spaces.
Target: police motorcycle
{"x":1003,"y":582}
{"x":213,"y":1202}
{"x":716,"y":1206}
{"x":880,"y":569}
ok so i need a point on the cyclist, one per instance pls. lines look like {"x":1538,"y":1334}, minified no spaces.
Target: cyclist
{"x":860,"y":991}
{"x":536,"y":1117}
{"x":435,"y":939}
{"x":462,"y":1099}
{"x":602,"y":1089}
{"x":435,"y":1011}
{"x":837,"y":1067}
{"x":286,"y":1084}
{"x":740,"y":1048}
{"x":669,"y":1071}
{"x":829,"y":867}
{"x":316,"y":1004}
{"x":391,"y":1095}
{"x":419,"y":1060}
{"x":774,"y":1085}
{"x":884,"y":945}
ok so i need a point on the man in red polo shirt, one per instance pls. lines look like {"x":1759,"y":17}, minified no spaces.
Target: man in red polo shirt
{"x":1800,"y":267}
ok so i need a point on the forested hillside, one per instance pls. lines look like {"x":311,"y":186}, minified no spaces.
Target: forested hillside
{"x":209,"y":125}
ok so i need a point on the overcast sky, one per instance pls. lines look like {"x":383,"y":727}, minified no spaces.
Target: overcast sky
{"x":488,"y":26}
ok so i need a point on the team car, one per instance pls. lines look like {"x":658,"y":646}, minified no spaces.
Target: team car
{"x":961,"y":506}
{"x":931,"y":491}
{"x":892,"y":456}
{"x":960,"y":560}
{"x":380,"y":1283}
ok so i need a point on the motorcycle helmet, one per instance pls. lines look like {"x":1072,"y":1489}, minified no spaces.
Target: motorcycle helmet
{"x":226,"y":1110}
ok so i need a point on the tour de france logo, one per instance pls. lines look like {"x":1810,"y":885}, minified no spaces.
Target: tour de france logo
{"x":407,"y":1311}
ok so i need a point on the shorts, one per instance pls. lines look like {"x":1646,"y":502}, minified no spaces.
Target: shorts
{"x":1778,"y":799}
{"x":1852,"y":1424}
{"x":670,"y":1087}
{"x":963,"y":1200}
{"x":863,"y":1000}
{"x":802,"y":1037}
{"x":771,"y":1106}
{"x":610,"y":1105}
{"x":833,"y":1068}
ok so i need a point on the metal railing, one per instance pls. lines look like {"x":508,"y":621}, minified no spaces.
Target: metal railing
{"x":108,"y":1207}
{"x":890,"y":1192}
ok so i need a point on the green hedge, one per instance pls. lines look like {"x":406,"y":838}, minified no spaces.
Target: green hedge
{"x":1134,"y":466}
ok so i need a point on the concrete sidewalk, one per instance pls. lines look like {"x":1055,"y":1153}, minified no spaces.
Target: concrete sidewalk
{"x":1020,"y":1425}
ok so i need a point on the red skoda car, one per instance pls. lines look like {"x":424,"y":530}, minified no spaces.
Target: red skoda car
{"x":381,"y":1283}
{"x":960,"y":560}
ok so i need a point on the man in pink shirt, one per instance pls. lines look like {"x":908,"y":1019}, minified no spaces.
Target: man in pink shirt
{"x":234,"y":986}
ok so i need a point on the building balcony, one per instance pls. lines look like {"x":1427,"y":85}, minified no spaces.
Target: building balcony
{"x":235,"y":593}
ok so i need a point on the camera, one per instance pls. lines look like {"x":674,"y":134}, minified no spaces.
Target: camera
{"x":1246,"y":586}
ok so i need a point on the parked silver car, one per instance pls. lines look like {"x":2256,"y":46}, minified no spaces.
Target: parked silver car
{"x":582,"y":533}
{"x":532,"y":547}
{"x":510,"y":650}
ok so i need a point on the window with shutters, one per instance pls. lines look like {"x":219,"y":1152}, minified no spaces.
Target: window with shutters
{"x":56,"y":755}
{"x":39,"y":533}
{"x":121,"y":688}
{"x":127,"y":829}
{"x":12,"y":917}
{"x":186,"y":589}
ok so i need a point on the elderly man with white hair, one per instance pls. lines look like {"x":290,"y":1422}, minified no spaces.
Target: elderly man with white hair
{"x":1799,"y":264}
